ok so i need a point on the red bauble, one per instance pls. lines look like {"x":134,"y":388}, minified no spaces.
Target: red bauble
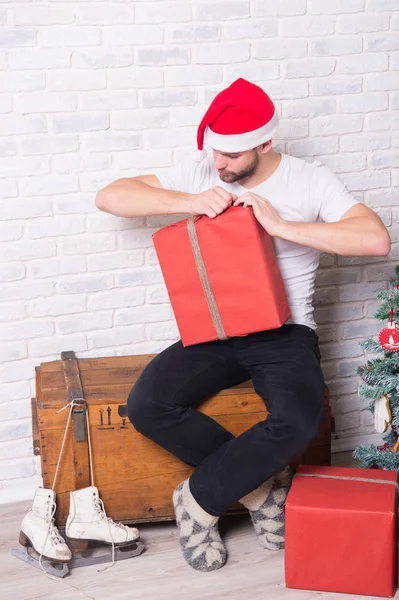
{"x":362,"y":369}
{"x":383,"y":448}
{"x":389,"y":338}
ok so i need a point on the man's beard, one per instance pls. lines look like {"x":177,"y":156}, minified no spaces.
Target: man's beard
{"x":233,"y":176}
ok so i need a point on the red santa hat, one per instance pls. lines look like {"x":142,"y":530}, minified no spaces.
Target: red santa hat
{"x":239,"y":118}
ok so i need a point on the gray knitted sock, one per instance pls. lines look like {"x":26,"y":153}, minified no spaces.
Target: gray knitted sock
{"x":266,"y":507}
{"x":200,"y":541}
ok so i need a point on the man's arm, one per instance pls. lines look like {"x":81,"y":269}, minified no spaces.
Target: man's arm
{"x":141,"y":197}
{"x":360,"y":232}
{"x":144,"y":196}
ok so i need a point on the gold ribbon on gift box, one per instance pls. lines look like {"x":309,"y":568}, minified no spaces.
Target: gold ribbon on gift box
{"x":346,"y":477}
{"x":206,"y":285}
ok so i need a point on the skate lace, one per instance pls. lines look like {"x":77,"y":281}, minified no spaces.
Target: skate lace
{"x":51,"y":506}
{"x":53,"y":532}
{"x":99,"y":504}
{"x":97,"y":501}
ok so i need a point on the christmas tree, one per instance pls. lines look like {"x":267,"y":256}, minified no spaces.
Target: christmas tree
{"x":380,"y":385}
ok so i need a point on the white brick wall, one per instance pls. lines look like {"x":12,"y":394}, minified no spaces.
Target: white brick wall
{"x":95,"y":90}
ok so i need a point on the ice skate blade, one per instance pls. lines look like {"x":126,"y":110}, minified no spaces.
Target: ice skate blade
{"x":93,"y":556}
{"x":103,"y":554}
{"x":30,"y":556}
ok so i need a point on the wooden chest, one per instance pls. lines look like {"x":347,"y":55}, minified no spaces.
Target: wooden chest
{"x":135,"y":477}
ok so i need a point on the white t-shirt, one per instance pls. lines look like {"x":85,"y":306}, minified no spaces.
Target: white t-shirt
{"x":299,"y":191}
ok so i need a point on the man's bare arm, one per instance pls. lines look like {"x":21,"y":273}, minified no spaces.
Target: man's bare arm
{"x":144,"y":196}
{"x":360,"y":232}
{"x":141,"y":196}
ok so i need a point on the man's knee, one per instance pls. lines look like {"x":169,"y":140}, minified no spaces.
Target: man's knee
{"x":307,"y":425}
{"x":309,"y":428}
{"x":141,"y":408}
{"x":297,"y":428}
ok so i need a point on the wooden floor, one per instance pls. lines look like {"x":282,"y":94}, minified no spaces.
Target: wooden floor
{"x":160,"y":573}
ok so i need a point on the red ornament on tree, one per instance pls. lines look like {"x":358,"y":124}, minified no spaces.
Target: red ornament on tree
{"x":389,"y":336}
{"x":362,"y":369}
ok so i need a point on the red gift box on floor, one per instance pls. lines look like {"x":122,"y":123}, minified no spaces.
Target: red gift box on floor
{"x":341,"y":531}
{"x":222,"y":276}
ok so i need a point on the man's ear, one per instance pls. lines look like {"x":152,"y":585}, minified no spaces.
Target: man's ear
{"x":264,"y":148}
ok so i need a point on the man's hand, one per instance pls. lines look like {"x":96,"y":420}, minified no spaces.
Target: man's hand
{"x":264,"y":212}
{"x":211,"y":202}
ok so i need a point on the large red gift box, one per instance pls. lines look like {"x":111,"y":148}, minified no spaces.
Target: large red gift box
{"x":341,"y":530}
{"x":222,"y":276}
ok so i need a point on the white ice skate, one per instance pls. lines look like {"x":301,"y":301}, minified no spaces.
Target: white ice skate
{"x":39,"y":532}
{"x":88,"y":522}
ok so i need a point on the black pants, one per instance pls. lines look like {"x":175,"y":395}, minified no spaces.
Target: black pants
{"x":284,"y":365}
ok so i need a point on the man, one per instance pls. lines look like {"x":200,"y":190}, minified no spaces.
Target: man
{"x":306,"y":209}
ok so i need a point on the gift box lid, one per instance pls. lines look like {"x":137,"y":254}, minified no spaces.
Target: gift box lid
{"x":342,"y":488}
